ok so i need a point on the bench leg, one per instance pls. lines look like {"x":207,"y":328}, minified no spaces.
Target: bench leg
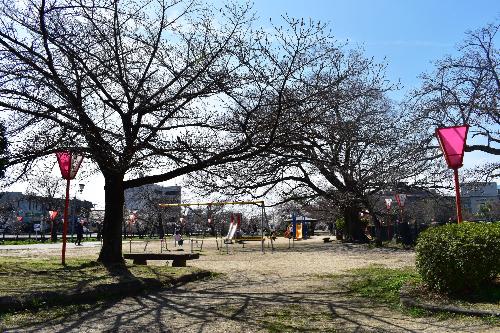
{"x":179,"y":262}
{"x":139,"y":261}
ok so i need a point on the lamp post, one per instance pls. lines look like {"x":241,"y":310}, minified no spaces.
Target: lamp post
{"x":75,"y":218}
{"x":388,"y":203}
{"x":452,"y":142}
{"x":400,"y":199}
{"x":69,"y":163}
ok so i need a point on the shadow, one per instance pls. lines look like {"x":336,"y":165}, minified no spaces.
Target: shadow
{"x":239,"y":303}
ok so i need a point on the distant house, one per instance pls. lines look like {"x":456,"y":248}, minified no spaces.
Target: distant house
{"x":143,"y":197}
{"x":145,"y":200}
{"x":32,"y":209}
{"x":476,"y":194}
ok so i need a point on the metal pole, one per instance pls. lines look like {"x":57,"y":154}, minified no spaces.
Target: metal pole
{"x":457,"y":197}
{"x":262,"y":227}
{"x":65,"y":223}
{"x":388,"y":224}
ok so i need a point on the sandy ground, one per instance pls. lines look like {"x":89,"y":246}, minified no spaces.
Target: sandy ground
{"x":255,"y":289}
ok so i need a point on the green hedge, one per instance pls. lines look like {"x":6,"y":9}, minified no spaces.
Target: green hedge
{"x":459,"y":258}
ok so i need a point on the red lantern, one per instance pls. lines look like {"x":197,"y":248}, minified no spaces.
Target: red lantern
{"x":452,"y":141}
{"x":388,"y":203}
{"x":53,"y":214}
{"x":401,"y":199}
{"x":69,"y":163}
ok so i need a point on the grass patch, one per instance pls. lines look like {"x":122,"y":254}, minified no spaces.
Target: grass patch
{"x":42,"y":286}
{"x":31,"y":276}
{"x":37,"y":278}
{"x":39,"y":316}
{"x":485,"y":299}
{"x":296,"y":318}
{"x":381,"y":284}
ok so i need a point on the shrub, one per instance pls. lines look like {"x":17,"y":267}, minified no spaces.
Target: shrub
{"x":340,"y":224}
{"x":458,"y":258}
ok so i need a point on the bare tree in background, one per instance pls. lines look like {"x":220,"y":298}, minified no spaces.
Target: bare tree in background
{"x":346,"y":147}
{"x":158,"y":89}
{"x":48,"y":192}
{"x":465,"y":89}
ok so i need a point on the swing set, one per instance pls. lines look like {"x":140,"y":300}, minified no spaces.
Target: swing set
{"x":234,"y":225}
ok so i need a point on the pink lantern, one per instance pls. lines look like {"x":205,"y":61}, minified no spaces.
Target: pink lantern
{"x":452,"y":141}
{"x":388,"y":203}
{"x":69,"y":163}
{"x":53,"y":214}
{"x":401,"y":199}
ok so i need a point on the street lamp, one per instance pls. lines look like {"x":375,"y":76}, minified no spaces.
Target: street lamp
{"x":388,"y":203}
{"x":69,"y":163}
{"x":452,"y":142}
{"x":74,"y":218}
{"x":400,"y":199}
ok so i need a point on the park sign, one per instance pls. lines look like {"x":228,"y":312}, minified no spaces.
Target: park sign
{"x":452,"y":142}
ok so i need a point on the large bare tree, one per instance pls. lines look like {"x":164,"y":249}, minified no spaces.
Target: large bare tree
{"x":149,"y":91}
{"x":350,"y":145}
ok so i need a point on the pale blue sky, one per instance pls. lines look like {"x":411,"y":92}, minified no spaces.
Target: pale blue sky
{"x":409,"y":33}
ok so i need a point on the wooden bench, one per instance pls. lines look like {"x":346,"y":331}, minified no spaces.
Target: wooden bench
{"x":178,"y":259}
{"x":249,"y":239}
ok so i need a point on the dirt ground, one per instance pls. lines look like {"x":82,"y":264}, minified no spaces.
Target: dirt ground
{"x":285,"y":290}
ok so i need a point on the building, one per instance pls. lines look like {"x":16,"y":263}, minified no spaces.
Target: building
{"x":143,"y":197}
{"x":477,"y":194}
{"x":144,"y":202}
{"x":22,"y":212}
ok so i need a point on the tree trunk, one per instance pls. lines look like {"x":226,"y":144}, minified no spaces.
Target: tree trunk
{"x":111,"y":251}
{"x":353,"y":227}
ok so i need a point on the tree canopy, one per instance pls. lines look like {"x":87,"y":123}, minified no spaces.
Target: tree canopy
{"x":150,"y":91}
{"x":465,"y":89}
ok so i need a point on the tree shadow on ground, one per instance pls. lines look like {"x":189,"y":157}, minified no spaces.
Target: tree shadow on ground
{"x":224,"y":304}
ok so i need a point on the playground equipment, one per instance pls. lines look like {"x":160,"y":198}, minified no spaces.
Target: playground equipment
{"x":233,"y":226}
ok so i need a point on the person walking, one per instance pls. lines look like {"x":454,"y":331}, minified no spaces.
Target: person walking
{"x":79,"y":233}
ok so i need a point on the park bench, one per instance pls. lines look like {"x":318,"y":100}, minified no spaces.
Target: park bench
{"x":249,"y":239}
{"x":178,"y":259}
